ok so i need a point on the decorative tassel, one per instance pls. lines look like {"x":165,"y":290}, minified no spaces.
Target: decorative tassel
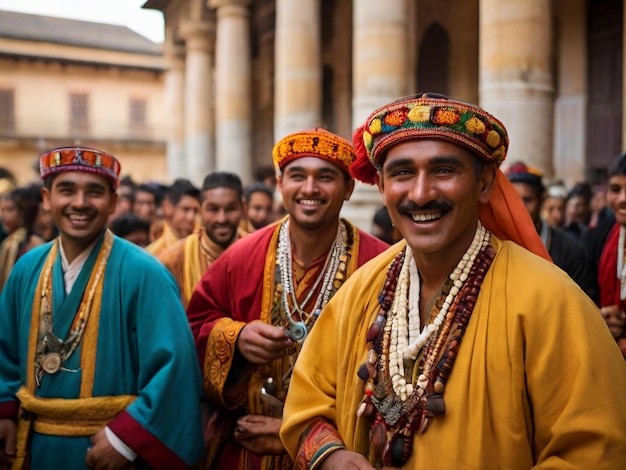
{"x":378,"y":439}
{"x":362,"y":169}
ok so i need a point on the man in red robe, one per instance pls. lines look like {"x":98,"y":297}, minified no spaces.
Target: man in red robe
{"x":254,"y":306}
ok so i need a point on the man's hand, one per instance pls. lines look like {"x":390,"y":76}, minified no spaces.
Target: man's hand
{"x":102,"y":455}
{"x":260,"y":343}
{"x":345,"y":460}
{"x":8,"y":431}
{"x":259,"y":434}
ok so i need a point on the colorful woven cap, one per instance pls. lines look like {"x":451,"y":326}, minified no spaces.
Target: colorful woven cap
{"x":80,"y":159}
{"x":316,"y":142}
{"x":427,"y":116}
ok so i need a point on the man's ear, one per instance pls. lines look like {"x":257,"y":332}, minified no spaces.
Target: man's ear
{"x":349,"y":189}
{"x":45,"y":195}
{"x":279,"y":183}
{"x":486,"y":182}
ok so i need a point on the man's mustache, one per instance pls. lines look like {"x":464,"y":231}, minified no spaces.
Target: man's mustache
{"x":432,"y":206}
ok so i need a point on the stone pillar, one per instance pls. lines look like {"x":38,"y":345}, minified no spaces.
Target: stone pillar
{"x":174,"y":110}
{"x":570,"y":104}
{"x":516,"y":83}
{"x":298,"y":75}
{"x":198,"y":100}
{"x":233,"y":109}
{"x":380,"y":67}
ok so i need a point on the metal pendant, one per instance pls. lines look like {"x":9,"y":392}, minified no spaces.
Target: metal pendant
{"x":296,"y":330}
{"x":51,"y":363}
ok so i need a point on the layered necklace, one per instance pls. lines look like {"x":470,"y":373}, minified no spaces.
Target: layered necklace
{"x":621,"y":266}
{"x":408,"y":365}
{"x":296,"y":321}
{"x":52,"y":352}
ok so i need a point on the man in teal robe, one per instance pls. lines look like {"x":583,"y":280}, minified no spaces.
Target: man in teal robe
{"x":132,"y":378}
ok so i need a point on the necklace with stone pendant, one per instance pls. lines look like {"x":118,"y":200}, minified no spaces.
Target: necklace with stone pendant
{"x":52,"y":352}
{"x":334,"y":266}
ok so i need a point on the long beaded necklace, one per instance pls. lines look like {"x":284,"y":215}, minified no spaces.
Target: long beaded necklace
{"x":402,"y":404}
{"x":51,"y":351}
{"x":334,"y":270}
{"x":621,"y":268}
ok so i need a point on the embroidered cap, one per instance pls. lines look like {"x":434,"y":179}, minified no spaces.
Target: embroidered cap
{"x":316,"y":142}
{"x":80,"y":159}
{"x":433,"y":116}
{"x":427,"y":116}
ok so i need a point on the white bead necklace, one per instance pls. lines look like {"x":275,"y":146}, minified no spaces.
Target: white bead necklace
{"x":326,"y":275}
{"x":621,"y":268}
{"x":406,"y":340}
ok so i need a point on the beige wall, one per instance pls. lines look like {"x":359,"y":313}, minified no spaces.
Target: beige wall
{"x":42,"y":86}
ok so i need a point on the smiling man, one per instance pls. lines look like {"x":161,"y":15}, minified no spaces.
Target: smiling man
{"x":221,"y":209}
{"x":460,"y":347}
{"x":255,"y":305}
{"x":90,"y":367}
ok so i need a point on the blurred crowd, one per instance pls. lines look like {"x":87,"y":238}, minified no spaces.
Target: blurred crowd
{"x":155,"y":216}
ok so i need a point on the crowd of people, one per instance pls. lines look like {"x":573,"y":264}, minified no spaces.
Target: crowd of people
{"x":480,"y":324}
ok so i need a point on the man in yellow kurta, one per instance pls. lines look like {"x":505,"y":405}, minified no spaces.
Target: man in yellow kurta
{"x":459,"y":348}
{"x":221,"y":209}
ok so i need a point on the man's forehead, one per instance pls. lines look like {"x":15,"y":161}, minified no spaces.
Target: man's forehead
{"x":79,"y":177}
{"x":311,"y":164}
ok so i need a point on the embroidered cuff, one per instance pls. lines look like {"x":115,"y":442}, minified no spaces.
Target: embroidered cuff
{"x":318,"y":441}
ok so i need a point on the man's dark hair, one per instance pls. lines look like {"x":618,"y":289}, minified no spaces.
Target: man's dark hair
{"x":181,"y":188}
{"x":263,"y":172}
{"x":27,"y":199}
{"x":257,"y":187}
{"x":223,"y":179}
{"x":518,"y":172}
{"x":382,"y":220}
{"x":128,"y":223}
{"x":146,"y":188}
{"x":581,"y":189}
{"x":6,"y":174}
{"x":617,"y":166}
{"x":128,"y":181}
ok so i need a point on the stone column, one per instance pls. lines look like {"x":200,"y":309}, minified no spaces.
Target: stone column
{"x":570,"y":104}
{"x":233,"y":83}
{"x":516,"y":83}
{"x":380,"y":61}
{"x":380,"y":67}
{"x":198,"y":100}
{"x":298,"y":75}
{"x":174,"y":110}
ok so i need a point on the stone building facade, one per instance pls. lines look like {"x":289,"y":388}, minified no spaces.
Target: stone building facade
{"x":240,"y":74}
{"x":66,"y":82}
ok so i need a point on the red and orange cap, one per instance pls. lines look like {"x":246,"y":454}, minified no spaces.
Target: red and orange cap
{"x":80,"y":159}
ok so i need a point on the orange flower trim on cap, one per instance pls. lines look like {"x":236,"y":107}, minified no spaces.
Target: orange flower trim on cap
{"x":435,"y":118}
{"x":314,"y":143}
{"x":80,"y":159}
